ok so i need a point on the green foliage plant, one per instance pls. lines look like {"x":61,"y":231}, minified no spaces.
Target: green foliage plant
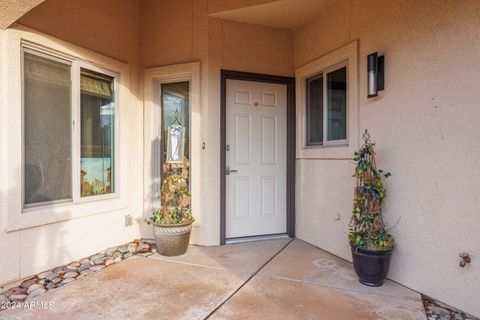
{"x":367,"y":229}
{"x":174,"y":196}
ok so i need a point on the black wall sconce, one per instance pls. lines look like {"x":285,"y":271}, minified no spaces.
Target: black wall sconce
{"x":376,"y":74}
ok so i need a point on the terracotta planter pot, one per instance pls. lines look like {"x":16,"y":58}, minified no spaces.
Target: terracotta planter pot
{"x":172,"y":239}
{"x":371,"y":266}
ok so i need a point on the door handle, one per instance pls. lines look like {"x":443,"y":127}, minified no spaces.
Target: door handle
{"x":228,"y":171}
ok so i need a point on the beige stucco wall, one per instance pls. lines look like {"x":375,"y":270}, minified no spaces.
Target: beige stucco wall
{"x":116,"y":35}
{"x":176,"y":32}
{"x":424,"y":124}
{"x":139,"y":42}
{"x":426,"y":127}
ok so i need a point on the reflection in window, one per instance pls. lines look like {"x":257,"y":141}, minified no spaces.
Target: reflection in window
{"x":315,"y":110}
{"x":175,"y":97}
{"x":97,"y":110}
{"x":337,"y":104}
{"x":47,"y":133}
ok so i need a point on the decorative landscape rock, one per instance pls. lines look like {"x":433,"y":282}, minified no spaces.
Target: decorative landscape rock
{"x":18,"y":297}
{"x":110,"y":251}
{"x":34,"y":287}
{"x":43,"y":275}
{"x":56,"y":280}
{"x":83,"y":267}
{"x":437,"y":311}
{"x":109,"y":262}
{"x":123,"y":249}
{"x":6,"y":293}
{"x":61,"y":269}
{"x":12,"y":285}
{"x":27,"y":283}
{"x":97,"y":256}
{"x":52,"y":276}
{"x":71,"y":274}
{"x":50,"y":285}
{"x":144,"y":248}
{"x":86,"y":272}
{"x":74,"y":265}
{"x":18,"y":290}
{"x":29,"y":288}
{"x":132,"y":248}
{"x":36,"y":293}
{"x":98,"y":261}
{"x":67,"y":280}
{"x":96,"y":268}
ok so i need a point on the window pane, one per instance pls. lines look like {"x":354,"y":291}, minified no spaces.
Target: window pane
{"x":47,"y":120}
{"x":315,"y":111}
{"x":337,"y":104}
{"x":176,"y":98}
{"x":97,"y":110}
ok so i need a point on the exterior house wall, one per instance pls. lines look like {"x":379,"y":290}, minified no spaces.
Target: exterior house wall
{"x":425,"y":125}
{"x":113,"y":31}
{"x":175,"y":32}
{"x":138,"y":43}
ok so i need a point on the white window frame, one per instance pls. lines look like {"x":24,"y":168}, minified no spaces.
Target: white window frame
{"x":77,"y":198}
{"x":337,"y":149}
{"x":154,"y":78}
{"x":17,"y":216}
{"x":26,"y":48}
{"x":326,"y":142}
{"x":75,"y":72}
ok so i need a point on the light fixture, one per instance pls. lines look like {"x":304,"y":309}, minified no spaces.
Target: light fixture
{"x":376,"y":74}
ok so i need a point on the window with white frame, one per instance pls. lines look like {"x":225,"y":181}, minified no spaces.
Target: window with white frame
{"x":69,"y":129}
{"x":326,"y":107}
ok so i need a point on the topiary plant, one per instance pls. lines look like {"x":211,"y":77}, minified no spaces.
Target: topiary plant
{"x":367,"y":229}
{"x":174,"y":196}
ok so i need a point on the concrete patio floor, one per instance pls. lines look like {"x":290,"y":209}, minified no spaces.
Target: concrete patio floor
{"x":271,"y":279}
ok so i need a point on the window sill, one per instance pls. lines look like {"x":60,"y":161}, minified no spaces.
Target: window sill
{"x":39,"y":216}
{"x":325,"y":146}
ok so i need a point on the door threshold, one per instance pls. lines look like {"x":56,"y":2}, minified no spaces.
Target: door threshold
{"x":257,"y":238}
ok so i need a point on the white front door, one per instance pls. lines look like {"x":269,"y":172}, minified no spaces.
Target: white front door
{"x":256,"y":144}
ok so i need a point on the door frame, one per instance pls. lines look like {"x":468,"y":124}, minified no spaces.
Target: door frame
{"x":291,"y":123}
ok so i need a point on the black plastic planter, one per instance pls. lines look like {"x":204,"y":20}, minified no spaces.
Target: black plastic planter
{"x":371,"y":266}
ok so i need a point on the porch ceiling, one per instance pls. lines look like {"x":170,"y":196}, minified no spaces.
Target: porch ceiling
{"x":11,"y":10}
{"x":288,"y":14}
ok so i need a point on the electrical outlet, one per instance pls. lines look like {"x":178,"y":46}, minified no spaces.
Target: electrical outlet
{"x":128,"y":220}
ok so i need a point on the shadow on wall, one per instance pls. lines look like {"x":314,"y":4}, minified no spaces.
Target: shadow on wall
{"x":32,"y":250}
{"x":154,"y":184}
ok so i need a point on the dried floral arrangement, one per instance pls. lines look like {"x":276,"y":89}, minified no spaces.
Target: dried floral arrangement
{"x":174,"y":195}
{"x":367,"y":229}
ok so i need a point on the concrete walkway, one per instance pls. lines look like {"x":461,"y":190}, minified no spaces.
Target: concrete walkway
{"x":274,"y":279}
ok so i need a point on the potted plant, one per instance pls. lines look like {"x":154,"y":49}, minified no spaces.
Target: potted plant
{"x":172,"y":223}
{"x":370,"y":241}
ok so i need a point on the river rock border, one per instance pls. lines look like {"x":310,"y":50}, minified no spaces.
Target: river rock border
{"x":436,"y":310}
{"x":27,"y":289}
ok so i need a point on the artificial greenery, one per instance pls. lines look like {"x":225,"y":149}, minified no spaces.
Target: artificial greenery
{"x":174,"y":196}
{"x":367,"y":229}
